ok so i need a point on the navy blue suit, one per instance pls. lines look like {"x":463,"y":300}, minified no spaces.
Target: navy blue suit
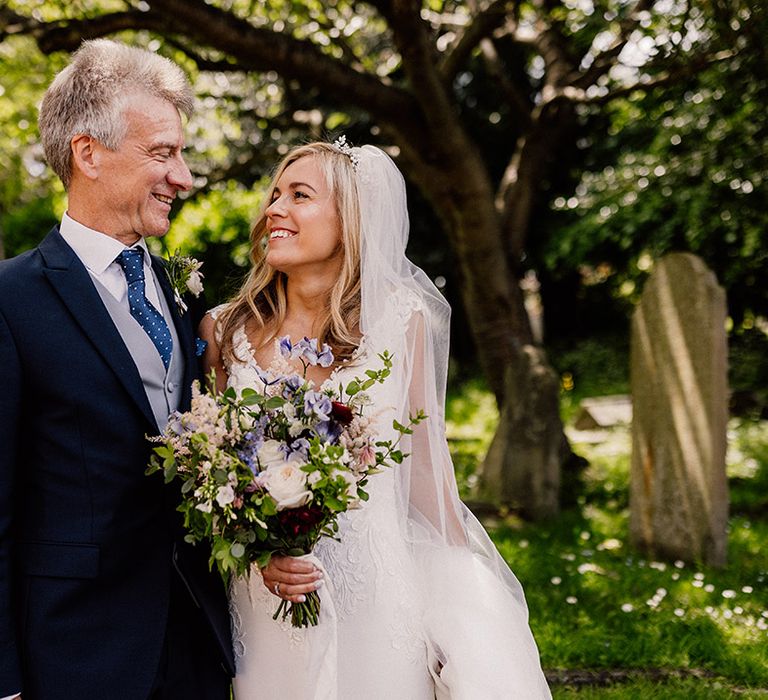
{"x":95,"y":585}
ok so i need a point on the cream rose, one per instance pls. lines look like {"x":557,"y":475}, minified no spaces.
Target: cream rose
{"x":287,"y":484}
{"x":270,"y":454}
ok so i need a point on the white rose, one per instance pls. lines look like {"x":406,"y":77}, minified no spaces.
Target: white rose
{"x":270,"y":454}
{"x":287,"y":484}
{"x":195,"y":283}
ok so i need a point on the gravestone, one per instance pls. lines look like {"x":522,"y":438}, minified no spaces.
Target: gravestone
{"x":678,"y":487}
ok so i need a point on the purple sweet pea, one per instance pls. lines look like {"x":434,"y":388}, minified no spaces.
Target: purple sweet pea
{"x":175,"y":424}
{"x":307,"y":349}
{"x":286,"y":349}
{"x":297,"y":451}
{"x":317,"y":404}
{"x":264,"y":376}
{"x":291,"y":385}
{"x":328,"y":431}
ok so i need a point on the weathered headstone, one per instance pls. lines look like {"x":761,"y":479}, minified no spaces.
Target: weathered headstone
{"x":678,"y":490}
{"x":603,"y":412}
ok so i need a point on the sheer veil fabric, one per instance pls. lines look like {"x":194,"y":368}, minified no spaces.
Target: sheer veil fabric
{"x":475,"y":616}
{"x":418,"y":603}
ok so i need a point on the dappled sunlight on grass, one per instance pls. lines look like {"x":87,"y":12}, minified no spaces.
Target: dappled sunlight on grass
{"x":596,"y":603}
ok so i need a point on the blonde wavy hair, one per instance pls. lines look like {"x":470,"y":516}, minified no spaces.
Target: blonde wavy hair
{"x":262,"y":297}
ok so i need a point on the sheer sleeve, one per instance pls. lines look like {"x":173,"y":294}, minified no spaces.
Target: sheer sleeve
{"x":474,"y":612}
{"x":432,"y":491}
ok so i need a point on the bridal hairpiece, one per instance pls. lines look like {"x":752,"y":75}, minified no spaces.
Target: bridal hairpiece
{"x":341,"y":145}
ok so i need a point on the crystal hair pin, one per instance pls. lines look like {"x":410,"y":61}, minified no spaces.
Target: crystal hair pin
{"x":341,"y":145}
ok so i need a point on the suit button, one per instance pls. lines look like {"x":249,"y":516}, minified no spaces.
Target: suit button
{"x":171,"y":387}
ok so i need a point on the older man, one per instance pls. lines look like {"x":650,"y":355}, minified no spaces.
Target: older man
{"x":99,"y":598}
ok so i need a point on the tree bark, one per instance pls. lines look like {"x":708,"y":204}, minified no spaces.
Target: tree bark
{"x":523,"y":465}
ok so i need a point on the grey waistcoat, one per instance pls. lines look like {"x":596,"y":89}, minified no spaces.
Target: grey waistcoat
{"x":163,"y":388}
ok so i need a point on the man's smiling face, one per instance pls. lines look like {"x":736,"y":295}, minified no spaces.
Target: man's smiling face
{"x":139,"y":181}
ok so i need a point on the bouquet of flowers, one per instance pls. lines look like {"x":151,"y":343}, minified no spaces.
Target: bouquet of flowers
{"x":269,"y":471}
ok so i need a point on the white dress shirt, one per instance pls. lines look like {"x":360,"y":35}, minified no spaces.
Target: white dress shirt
{"x":98,"y":252}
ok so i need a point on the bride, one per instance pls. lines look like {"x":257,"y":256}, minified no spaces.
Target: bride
{"x":416,"y":602}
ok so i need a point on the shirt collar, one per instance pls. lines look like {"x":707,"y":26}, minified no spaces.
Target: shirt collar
{"x":96,"y":250}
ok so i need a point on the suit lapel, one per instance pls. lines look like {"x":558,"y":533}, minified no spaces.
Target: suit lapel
{"x":183,"y":329}
{"x":71,"y":281}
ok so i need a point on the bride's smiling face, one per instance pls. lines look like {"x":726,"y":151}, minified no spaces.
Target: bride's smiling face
{"x":302,"y":220}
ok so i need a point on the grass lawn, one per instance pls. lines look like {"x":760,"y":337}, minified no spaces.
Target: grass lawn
{"x":609,"y":622}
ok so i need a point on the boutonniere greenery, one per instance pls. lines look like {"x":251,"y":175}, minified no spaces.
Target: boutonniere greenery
{"x":185,"y":276}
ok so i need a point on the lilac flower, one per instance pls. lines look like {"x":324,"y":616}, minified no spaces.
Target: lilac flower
{"x":286,"y":349}
{"x":317,"y":404}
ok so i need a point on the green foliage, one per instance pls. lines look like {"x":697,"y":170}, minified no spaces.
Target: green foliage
{"x":596,"y":366}
{"x":682,"y":689}
{"x":683,"y":169}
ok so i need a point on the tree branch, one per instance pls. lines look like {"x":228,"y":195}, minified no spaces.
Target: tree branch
{"x":255,"y":48}
{"x":605,"y":60}
{"x":67,"y":35}
{"x":251,"y":48}
{"x":683,"y":70}
{"x":203,"y":63}
{"x":419,"y":57}
{"x":482,"y":26}
{"x":517,"y":100}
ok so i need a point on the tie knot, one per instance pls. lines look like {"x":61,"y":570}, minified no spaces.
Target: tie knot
{"x":132,"y":262}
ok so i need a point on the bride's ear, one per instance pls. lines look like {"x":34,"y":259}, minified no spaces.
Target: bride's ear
{"x":85,"y":155}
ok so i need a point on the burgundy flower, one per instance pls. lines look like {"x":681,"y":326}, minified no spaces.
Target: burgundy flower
{"x":299,"y":521}
{"x":341,"y":412}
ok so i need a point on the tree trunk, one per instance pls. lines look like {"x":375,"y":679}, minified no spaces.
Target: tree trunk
{"x":523,"y":466}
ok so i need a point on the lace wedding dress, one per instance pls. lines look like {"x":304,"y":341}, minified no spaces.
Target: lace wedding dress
{"x":397,"y":620}
{"x":417,"y":602}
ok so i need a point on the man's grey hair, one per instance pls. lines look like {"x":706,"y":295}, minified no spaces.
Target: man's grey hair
{"x":89,"y":95}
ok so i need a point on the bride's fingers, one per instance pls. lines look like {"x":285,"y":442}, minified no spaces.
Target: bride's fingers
{"x":282,"y":570}
{"x":292,"y":565}
{"x":294,"y":592}
{"x":297,"y":594}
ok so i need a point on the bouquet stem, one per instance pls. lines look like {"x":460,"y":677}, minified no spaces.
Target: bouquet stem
{"x":304,"y":614}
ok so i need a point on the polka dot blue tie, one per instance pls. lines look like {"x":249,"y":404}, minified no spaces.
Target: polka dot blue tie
{"x":147,"y":316}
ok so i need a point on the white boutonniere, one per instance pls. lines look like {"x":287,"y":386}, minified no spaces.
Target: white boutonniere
{"x":185,"y":276}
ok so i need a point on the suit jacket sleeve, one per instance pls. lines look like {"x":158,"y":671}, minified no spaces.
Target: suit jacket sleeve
{"x":10,"y":402}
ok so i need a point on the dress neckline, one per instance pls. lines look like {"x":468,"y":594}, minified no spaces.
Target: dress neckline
{"x":250,"y":359}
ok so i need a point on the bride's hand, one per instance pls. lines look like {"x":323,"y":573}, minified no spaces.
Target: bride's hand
{"x":290,"y":578}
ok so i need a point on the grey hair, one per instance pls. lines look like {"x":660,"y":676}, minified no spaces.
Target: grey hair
{"x":89,"y":95}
